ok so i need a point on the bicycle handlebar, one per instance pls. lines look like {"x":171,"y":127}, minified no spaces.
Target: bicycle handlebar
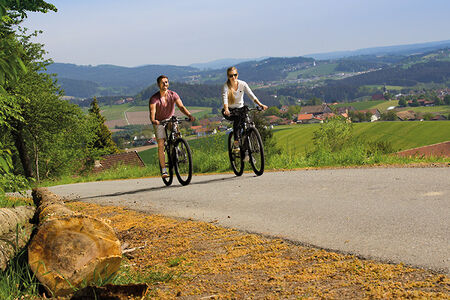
{"x":173,"y":119}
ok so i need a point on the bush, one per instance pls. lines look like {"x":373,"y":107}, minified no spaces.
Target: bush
{"x":333,"y":135}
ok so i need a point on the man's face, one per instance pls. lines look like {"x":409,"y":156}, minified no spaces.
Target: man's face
{"x":164,"y":84}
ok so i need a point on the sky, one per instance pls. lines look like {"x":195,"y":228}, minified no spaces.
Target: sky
{"x":182,"y":32}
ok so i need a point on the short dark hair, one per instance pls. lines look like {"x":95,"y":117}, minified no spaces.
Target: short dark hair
{"x":158,"y":80}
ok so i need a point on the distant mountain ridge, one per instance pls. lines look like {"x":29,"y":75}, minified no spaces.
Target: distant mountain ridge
{"x":398,"y":49}
{"x":111,"y":80}
{"x":223,"y":63}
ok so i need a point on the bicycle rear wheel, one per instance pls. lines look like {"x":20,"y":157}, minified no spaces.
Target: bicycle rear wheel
{"x":167,"y":156}
{"x":236,"y":159}
{"x":182,"y":160}
{"x":256,"y":151}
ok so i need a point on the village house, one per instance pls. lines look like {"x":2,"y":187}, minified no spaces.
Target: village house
{"x":316,"y":109}
{"x":378,"y":97}
{"x":422,"y":102}
{"x":406,"y":115}
{"x":375,"y":114}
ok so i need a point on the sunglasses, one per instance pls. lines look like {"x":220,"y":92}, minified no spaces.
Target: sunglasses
{"x":233,"y":75}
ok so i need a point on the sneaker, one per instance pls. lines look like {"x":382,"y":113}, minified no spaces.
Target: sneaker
{"x":164,"y":173}
{"x":236,"y":149}
{"x":246,"y":157}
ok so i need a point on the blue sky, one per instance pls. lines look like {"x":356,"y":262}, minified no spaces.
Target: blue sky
{"x":182,"y":32}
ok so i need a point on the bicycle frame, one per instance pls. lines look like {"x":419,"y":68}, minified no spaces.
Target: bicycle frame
{"x":178,"y":152}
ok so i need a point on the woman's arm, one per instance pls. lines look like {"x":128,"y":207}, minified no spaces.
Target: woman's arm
{"x":226,"y":111}
{"x":249,"y":92}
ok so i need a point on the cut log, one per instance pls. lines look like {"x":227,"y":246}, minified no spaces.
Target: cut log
{"x":15,"y":231}
{"x":70,"y":249}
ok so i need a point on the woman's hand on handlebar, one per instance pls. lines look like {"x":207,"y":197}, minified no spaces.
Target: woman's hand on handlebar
{"x":156,"y":122}
{"x":226,"y":112}
{"x":264,"y":107}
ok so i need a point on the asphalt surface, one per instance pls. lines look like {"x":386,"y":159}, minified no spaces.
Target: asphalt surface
{"x":398,"y":215}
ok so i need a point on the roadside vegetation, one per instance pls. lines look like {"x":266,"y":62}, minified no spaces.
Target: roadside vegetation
{"x":332,"y":144}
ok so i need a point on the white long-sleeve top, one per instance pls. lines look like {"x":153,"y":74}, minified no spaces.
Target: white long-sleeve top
{"x":238,"y":94}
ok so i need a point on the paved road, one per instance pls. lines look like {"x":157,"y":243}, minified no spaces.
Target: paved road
{"x":393,"y":214}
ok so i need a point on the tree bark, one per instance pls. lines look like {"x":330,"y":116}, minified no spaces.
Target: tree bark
{"x":69,"y":248}
{"x":21,"y":148}
{"x":15,"y":231}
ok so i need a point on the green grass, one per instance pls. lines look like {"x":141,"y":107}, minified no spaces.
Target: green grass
{"x":382,"y":107}
{"x":320,"y":70}
{"x":442,"y":109}
{"x":388,"y":87}
{"x":295,"y":149}
{"x":6,"y":201}
{"x":364,"y":104}
{"x":402,"y":135}
{"x":18,"y":281}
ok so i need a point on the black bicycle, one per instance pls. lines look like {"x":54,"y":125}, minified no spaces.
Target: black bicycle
{"x":177,"y":153}
{"x":250,"y":143}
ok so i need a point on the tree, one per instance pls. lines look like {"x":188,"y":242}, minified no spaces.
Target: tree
{"x":402,"y":102}
{"x":447,"y":100}
{"x":314,"y":101}
{"x":427,"y":116}
{"x":389,"y":116}
{"x":272,"y":111}
{"x":270,"y":145}
{"x":102,"y":141}
{"x":333,"y":135}
{"x":12,"y":12}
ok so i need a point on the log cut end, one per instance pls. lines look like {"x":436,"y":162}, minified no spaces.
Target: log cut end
{"x":71,"y":250}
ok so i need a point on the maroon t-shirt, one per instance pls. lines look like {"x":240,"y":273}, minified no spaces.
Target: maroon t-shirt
{"x":167,"y":109}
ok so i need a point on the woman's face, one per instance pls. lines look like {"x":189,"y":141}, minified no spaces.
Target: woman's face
{"x":233,"y":75}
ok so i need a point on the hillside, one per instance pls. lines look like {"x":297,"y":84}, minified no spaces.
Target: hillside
{"x":402,"y":135}
{"x":298,"y":77}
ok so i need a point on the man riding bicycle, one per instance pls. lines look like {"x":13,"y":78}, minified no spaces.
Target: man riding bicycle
{"x":162,"y":107}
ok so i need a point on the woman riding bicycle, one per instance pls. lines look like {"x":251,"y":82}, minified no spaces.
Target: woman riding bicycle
{"x":233,"y":99}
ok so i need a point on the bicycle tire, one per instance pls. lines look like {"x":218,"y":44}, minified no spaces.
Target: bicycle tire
{"x":256,"y":151}
{"x":168,"y":180}
{"x":182,"y":161}
{"x":236,"y":160}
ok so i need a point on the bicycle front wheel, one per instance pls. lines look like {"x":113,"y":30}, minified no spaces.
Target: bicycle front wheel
{"x":256,"y":151}
{"x":182,"y":161}
{"x":236,"y":159}
{"x":169,"y":161}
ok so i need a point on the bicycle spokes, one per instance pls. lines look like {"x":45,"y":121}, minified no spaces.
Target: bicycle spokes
{"x":182,"y":161}
{"x":256,"y":151}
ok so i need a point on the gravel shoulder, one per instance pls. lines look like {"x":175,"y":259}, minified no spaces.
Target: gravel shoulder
{"x":206,"y":261}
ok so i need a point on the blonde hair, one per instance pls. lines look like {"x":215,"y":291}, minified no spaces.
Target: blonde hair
{"x":231,"y":98}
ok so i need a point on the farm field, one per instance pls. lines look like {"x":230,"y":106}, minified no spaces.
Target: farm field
{"x":402,"y":135}
{"x":115,"y":114}
{"x":382,"y":105}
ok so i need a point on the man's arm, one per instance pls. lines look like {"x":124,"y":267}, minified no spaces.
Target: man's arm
{"x":152,"y":108}
{"x":183,"y":109}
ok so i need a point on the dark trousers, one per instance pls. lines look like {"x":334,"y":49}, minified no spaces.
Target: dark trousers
{"x":236,"y":118}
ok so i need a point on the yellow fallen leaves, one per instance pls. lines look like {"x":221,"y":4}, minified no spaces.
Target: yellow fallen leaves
{"x":223,"y":263}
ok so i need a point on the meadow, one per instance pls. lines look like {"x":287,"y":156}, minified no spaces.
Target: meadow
{"x":295,"y":148}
